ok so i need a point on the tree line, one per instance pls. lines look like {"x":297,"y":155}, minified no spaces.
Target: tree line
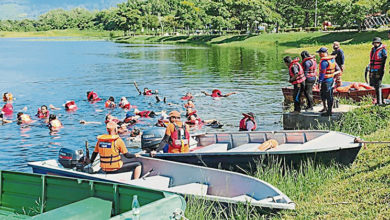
{"x":211,"y":16}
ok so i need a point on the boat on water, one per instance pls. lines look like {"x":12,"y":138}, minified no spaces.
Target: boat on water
{"x":354,"y":94}
{"x":26,"y":195}
{"x":240,"y":150}
{"x":205,"y":183}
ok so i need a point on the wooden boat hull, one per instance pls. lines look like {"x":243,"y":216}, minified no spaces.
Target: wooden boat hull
{"x":344,"y":152}
{"x":46,"y":197}
{"x":353,"y":94}
{"x":205,"y":183}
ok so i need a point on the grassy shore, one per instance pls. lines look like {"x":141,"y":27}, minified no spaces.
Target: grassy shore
{"x":95,"y":34}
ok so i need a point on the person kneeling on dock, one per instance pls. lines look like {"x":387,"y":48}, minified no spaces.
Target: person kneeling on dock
{"x":297,"y":79}
{"x":109,"y":147}
{"x":177,"y":135}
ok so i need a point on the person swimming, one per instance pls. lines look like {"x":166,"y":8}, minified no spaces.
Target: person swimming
{"x":43,"y":112}
{"x":110,"y":103}
{"x":124,"y":103}
{"x":23,"y":118}
{"x":149,"y":92}
{"x":54,"y":123}
{"x":7,"y":97}
{"x":189,"y":104}
{"x":188,"y":96}
{"x":92,"y":96}
{"x":3,"y":120}
{"x":216,"y":93}
{"x":70,"y":106}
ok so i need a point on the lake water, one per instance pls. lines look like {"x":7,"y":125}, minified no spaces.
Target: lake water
{"x":46,"y":71}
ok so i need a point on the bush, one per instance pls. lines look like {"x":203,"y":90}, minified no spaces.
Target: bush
{"x":312,"y":29}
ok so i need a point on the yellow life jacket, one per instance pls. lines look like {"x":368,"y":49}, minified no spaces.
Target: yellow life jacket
{"x":110,"y":159}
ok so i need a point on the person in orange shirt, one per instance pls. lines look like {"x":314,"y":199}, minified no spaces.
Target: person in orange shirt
{"x":177,"y":135}
{"x":110,"y":147}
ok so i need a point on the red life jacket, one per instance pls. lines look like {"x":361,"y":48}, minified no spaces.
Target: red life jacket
{"x":148,"y":92}
{"x":8,"y":109}
{"x":42,"y":115}
{"x":313,"y":69}
{"x":109,"y":104}
{"x":92,"y":96}
{"x":376,"y":62}
{"x":331,"y":69}
{"x":179,"y":143}
{"x":187,"y":97}
{"x":144,"y":113}
{"x":70,"y":106}
{"x":301,"y":75}
{"x":243,"y":124}
{"x":216,"y":93}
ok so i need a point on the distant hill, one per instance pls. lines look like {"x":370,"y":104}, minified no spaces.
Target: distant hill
{"x":20,"y":9}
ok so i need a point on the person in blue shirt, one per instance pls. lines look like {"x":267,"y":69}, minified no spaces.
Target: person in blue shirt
{"x":327,"y":71}
{"x":378,"y":58}
{"x":339,"y":53}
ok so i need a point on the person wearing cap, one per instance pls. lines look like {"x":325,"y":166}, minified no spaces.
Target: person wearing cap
{"x":297,"y":79}
{"x":328,"y":68}
{"x":378,"y":58}
{"x":248,"y":122}
{"x":177,"y":135}
{"x":339,"y":53}
{"x":309,"y":65}
{"x":110,"y":147}
{"x":131,"y":118}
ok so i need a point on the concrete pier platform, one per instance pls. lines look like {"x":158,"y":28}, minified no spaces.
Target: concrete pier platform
{"x":313,"y":119}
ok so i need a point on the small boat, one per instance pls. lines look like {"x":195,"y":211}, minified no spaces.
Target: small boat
{"x":25,"y":195}
{"x":201,"y":182}
{"x":239,"y":150}
{"x":356,"y":95}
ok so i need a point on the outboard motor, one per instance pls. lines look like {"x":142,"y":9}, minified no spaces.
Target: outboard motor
{"x":70,"y":158}
{"x":151,"y":138}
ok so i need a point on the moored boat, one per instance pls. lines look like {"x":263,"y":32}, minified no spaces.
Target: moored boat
{"x":354,"y":94}
{"x":25,"y":195}
{"x":202,"y":182}
{"x":239,"y":150}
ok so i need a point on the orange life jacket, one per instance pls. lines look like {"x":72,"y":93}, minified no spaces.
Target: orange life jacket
{"x":179,"y":140}
{"x":376,"y":62}
{"x":313,"y":69}
{"x":331,"y":69}
{"x":109,"y":104}
{"x":110,"y":159}
{"x":301,"y":75}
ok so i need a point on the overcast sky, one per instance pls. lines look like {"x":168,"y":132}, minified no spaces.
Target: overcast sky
{"x":19,"y":9}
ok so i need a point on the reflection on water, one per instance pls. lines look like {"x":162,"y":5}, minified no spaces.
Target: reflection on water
{"x":53,"y":72}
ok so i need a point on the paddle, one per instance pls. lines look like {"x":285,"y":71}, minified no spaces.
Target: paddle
{"x":136,"y":87}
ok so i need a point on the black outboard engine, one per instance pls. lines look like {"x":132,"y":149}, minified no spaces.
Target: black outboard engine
{"x":70,"y":158}
{"x":151,"y":138}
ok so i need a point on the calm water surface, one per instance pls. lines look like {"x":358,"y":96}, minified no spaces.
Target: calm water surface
{"x":43,"y":72}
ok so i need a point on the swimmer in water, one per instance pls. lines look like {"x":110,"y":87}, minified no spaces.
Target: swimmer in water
{"x":216,"y":93}
{"x":54,"y":123}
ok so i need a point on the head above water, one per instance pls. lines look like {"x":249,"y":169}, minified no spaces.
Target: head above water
{"x":52,"y":117}
{"x":43,"y":108}
{"x":249,"y":115}
{"x":19,"y":115}
{"x":112,"y":128}
{"x":111,"y":99}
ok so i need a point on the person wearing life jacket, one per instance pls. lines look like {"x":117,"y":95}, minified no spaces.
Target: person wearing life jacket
{"x":378,"y":56}
{"x":145,"y":114}
{"x":8,"y":109}
{"x":248,"y":122}
{"x":110,"y":147}
{"x":188,"y":96}
{"x":328,"y":68}
{"x":131,"y":118}
{"x":149,"y":92}
{"x":189,"y":104}
{"x":340,"y":60}
{"x":297,"y":79}
{"x":70,"y":106}
{"x":216,"y":93}
{"x":110,"y":103}
{"x":54,"y":124}
{"x":7,"y":97}
{"x":92,"y":96}
{"x":163,"y":121}
{"x":309,"y":65}
{"x":124,"y":103}
{"x":177,"y":135}
{"x":43,"y":112}
{"x":23,"y":118}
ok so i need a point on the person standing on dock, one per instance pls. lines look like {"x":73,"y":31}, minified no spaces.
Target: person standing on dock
{"x":297,"y":79}
{"x":378,"y":56}
{"x":328,"y":70}
{"x":339,"y":53}
{"x":309,"y":65}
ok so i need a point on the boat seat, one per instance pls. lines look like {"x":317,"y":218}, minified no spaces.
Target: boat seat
{"x":244,"y":198}
{"x":212,"y":148}
{"x":191,"y":188}
{"x":251,"y":147}
{"x":121,"y":177}
{"x":155,"y":182}
{"x":287,"y":147}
